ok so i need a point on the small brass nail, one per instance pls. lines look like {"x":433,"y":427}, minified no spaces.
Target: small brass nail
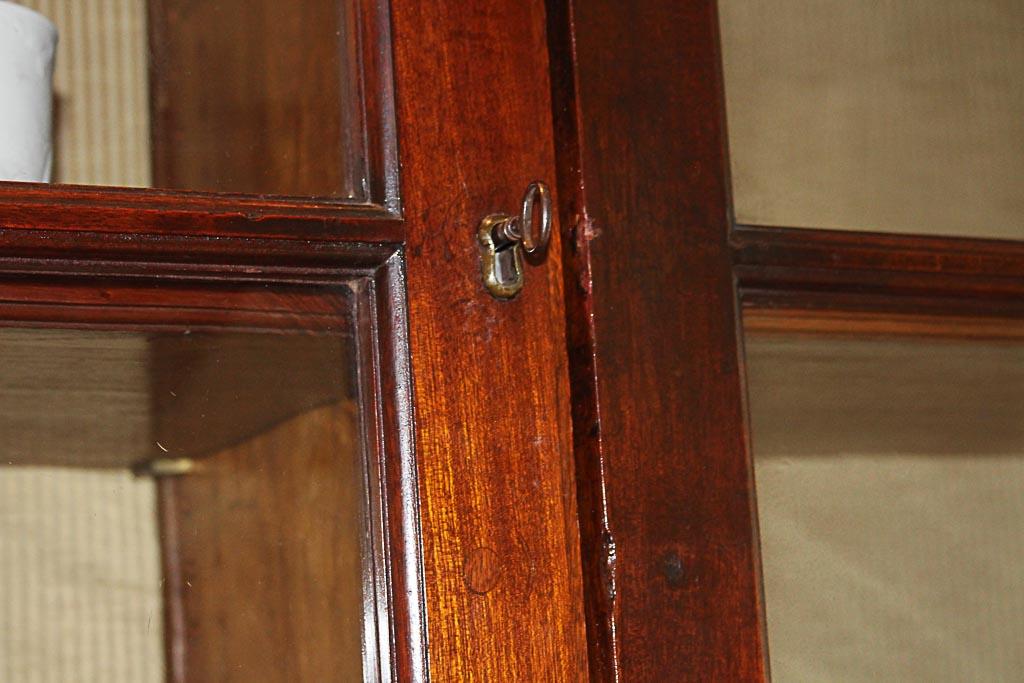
{"x":167,"y":467}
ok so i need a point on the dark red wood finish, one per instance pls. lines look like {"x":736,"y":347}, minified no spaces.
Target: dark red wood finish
{"x":100,"y":280}
{"x":496,"y":590}
{"x":759,"y":319}
{"x":501,"y":542}
{"x":653,"y":269}
{"x":861,"y":271}
{"x":358,"y":147}
{"x":129,"y":212}
{"x":650,"y":273}
{"x":670,"y":542}
{"x":598,"y":549}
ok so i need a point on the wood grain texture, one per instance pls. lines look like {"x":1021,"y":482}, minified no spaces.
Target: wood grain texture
{"x":149,"y":212}
{"x":500,"y":539}
{"x":357,"y":96}
{"x":268,"y":539}
{"x":266,"y":118}
{"x":152,"y":303}
{"x":842,"y":270}
{"x":300,"y":102}
{"x":651,"y":219}
{"x":492,"y":411}
{"x":174,"y":285}
{"x":846,"y":323}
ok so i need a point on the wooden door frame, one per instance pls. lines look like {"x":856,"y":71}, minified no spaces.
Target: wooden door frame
{"x":666,"y":498}
{"x":495,"y":592}
{"x":657,"y":276}
{"x":102,"y":281}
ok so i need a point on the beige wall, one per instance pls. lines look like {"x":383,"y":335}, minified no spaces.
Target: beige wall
{"x":80,"y":589}
{"x":889,"y":479}
{"x":80,"y":577}
{"x":893,"y":115}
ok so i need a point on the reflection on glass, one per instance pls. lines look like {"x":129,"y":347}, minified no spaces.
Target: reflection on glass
{"x":248,"y":96}
{"x":180,"y":500}
{"x":899,"y":116}
{"x":889,"y":476}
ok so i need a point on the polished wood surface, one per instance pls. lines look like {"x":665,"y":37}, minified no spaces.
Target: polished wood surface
{"x":177,"y":214}
{"x":795,"y":321}
{"x":852,"y":271}
{"x":829,"y":291}
{"x":227,"y":286}
{"x":649,"y":218}
{"x":266,"y":117}
{"x":263,"y":556}
{"x":500,"y":537}
{"x":597,"y":537}
{"x":500,"y":569}
{"x":265,"y":143}
{"x":485,"y":485}
{"x":498,"y":516}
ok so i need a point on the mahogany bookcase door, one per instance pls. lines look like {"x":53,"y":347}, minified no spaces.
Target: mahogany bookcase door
{"x":882,"y":329}
{"x":358,"y":451}
{"x":245,"y":98}
{"x":270,"y":407}
{"x":890,"y":296}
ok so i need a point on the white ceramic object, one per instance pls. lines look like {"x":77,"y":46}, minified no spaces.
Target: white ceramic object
{"x":28,"y":41}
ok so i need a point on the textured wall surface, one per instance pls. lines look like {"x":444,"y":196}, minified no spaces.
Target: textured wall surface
{"x":101,"y":133}
{"x":80,"y":575}
{"x":889,"y":477}
{"x":890,"y":115}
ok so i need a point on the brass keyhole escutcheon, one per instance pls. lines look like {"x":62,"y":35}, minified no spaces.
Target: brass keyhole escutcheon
{"x":506,"y":241}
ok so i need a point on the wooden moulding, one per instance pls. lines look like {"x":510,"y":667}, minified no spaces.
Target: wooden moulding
{"x":498,"y":579}
{"x":165,"y":212}
{"x":653,"y":267}
{"x":666,"y":494}
{"x":357,"y":153}
{"x":97,"y":281}
{"x":789,"y":268}
{"x":761,"y":320}
{"x":597,"y":535}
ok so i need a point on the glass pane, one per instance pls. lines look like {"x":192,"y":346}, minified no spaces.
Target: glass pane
{"x":893,"y":116}
{"x":170,"y":497}
{"x":889,"y":489}
{"x":249,"y":96}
